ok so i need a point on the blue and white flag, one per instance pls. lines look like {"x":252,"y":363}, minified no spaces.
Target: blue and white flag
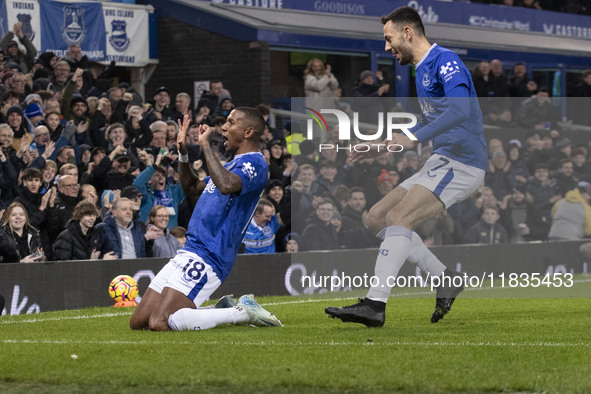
{"x":127,"y":34}
{"x":24,"y":11}
{"x":79,"y":23}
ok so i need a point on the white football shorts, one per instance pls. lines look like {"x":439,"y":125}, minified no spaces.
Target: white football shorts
{"x":189,"y":274}
{"x":447,"y":178}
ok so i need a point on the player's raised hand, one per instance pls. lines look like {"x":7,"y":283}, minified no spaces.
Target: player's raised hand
{"x":402,"y":140}
{"x":181,"y":137}
{"x":375,"y":150}
{"x":205,"y":133}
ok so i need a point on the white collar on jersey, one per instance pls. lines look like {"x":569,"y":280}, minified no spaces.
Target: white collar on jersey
{"x":248,"y":153}
{"x":426,"y":54}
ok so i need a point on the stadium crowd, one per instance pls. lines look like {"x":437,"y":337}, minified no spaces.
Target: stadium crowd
{"x":88,"y":167}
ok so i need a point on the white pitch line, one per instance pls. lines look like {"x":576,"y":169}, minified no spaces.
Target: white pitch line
{"x":294,"y":302}
{"x":300,"y":343}
{"x":44,"y":319}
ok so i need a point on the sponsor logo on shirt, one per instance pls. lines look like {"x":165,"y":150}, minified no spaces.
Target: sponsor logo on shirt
{"x":448,"y":70}
{"x":249,"y":170}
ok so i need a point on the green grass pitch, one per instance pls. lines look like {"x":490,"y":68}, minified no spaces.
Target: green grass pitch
{"x":483,"y":345}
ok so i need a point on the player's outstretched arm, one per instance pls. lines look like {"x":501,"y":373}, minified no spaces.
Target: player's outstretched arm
{"x":226,"y":181}
{"x":191,"y":184}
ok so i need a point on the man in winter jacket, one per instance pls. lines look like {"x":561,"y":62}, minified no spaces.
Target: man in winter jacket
{"x":487,"y":230}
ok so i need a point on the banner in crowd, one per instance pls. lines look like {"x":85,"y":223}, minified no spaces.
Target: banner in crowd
{"x":434,"y":11}
{"x":24,"y":11}
{"x":105,"y":33}
{"x":127,"y":35}
{"x":64,"y":24}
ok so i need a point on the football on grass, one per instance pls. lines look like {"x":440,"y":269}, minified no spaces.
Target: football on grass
{"x":123,"y":288}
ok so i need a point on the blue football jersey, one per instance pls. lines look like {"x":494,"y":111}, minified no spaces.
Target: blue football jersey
{"x":219,"y":221}
{"x":437,"y":74}
{"x":261,"y":239}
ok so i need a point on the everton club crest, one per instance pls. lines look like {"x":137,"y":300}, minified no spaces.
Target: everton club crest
{"x":119,"y":40}
{"x":74,"y":29}
{"x":27,"y":28}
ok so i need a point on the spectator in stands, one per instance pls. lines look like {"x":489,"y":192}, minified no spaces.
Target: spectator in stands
{"x":500,"y":83}
{"x":563,"y":179}
{"x":307,"y":153}
{"x":159,"y":131}
{"x":160,"y":107}
{"x":69,"y":169}
{"x":581,"y":168}
{"x":386,"y":183}
{"x":561,"y":150}
{"x":20,"y":241}
{"x":483,"y":84}
{"x":88,"y":193}
{"x":276,"y":167}
{"x":43,"y":143}
{"x":499,"y":177}
{"x":265,"y":110}
{"x":75,"y":108}
{"x":583,"y":89}
{"x":34,"y":114}
{"x":6,"y":139}
{"x":179,"y":233}
{"x":166,"y":244}
{"x":34,"y":202}
{"x":203,"y":116}
{"x":487,"y":230}
{"x":542,"y":191}
{"x":353,"y":219}
{"x":182,"y":107}
{"x":537,"y":111}
{"x":60,"y":76}
{"x":522,"y":220}
{"x":571,"y":216}
{"x":74,"y":57}
{"x":12,"y":53}
{"x":319,"y":234}
{"x":225,"y":107}
{"x":65,"y":155}
{"x":120,"y":234}
{"x":154,"y":190}
{"x":304,"y":190}
{"x":19,"y":86}
{"x":519,"y":171}
{"x":18,"y":124}
{"x":319,"y":80}
{"x":292,"y":246}
{"x":172,"y":129}
{"x":49,"y":171}
{"x":260,"y":233}
{"x":519,"y":84}
{"x":113,"y":172}
{"x":63,"y":206}
{"x":366,"y":87}
{"x":326,"y":179}
{"x":52,"y":122}
{"x":294,"y":139}
{"x":76,"y":241}
{"x":211,"y":98}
